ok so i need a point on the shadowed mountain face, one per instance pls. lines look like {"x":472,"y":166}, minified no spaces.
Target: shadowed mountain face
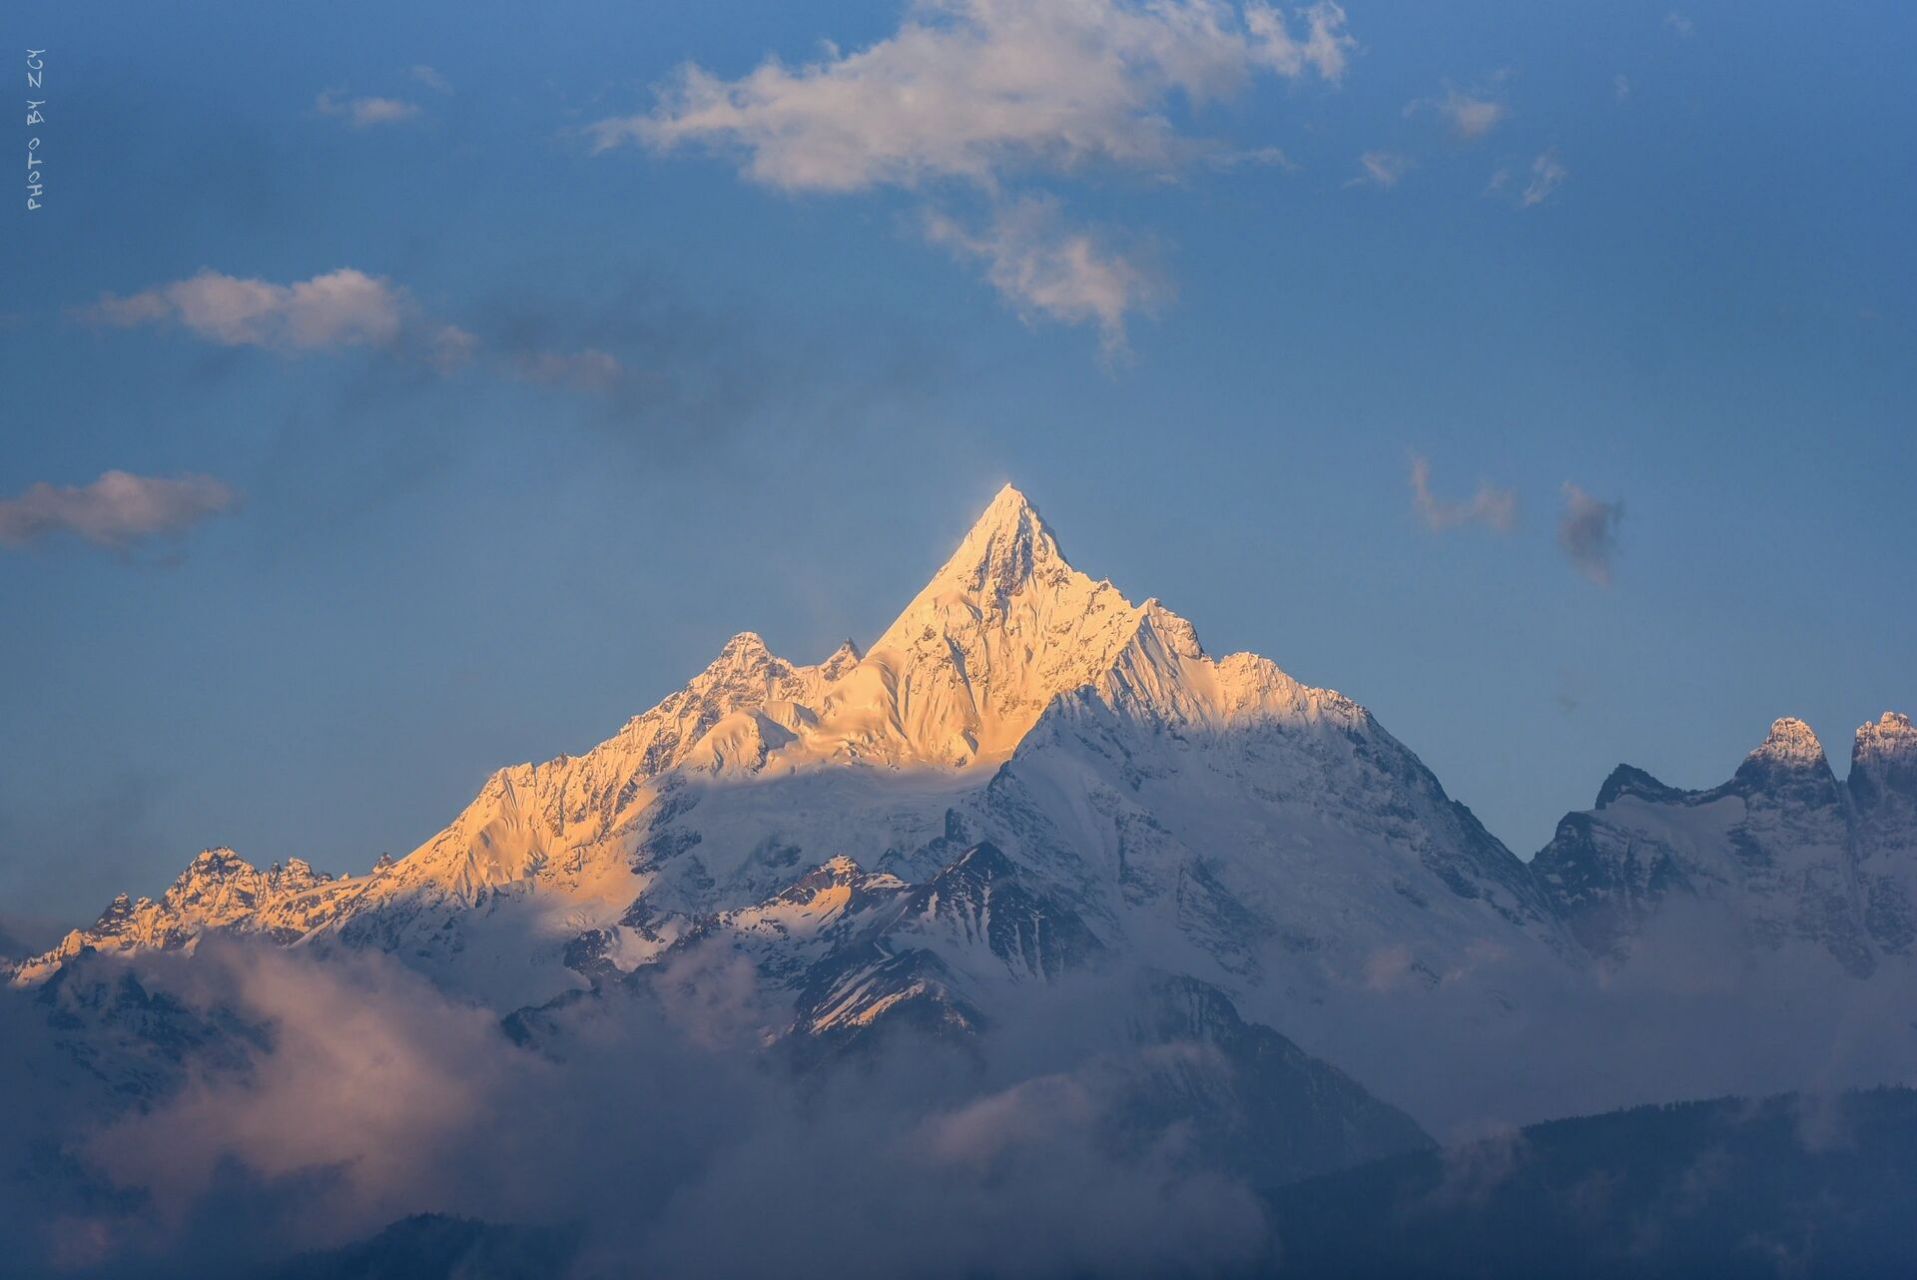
{"x":436,"y":1247}
{"x":1882,"y":789}
{"x":1788,"y":1186}
{"x":1785,"y":855}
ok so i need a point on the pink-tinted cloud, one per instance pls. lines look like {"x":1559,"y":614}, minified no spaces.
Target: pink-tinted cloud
{"x":119,"y":510}
{"x":1491,"y":506}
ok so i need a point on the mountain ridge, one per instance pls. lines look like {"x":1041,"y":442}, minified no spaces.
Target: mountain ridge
{"x":1133,"y":798}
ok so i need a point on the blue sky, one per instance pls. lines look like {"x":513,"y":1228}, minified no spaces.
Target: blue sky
{"x":518,"y":371}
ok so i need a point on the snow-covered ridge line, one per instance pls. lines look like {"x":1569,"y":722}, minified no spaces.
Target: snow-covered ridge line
{"x":1003,"y":630}
{"x":1204,"y":809}
{"x":1782,"y":850}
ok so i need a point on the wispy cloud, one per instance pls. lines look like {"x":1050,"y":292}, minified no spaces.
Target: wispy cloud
{"x":1046,"y":269}
{"x":588,"y":370}
{"x":339,"y":308}
{"x":1680,"y":23}
{"x":1621,"y":87}
{"x":118,"y":511}
{"x":1573,"y":690}
{"x":1470,"y":115}
{"x":1473,"y":117}
{"x":349,"y":308}
{"x":1587,"y":530}
{"x":431,"y":78}
{"x":1490,"y":506}
{"x":1381,"y":169}
{"x":1547,"y":175}
{"x":984,"y":93}
{"x":342,"y":308}
{"x":364,"y":113}
{"x":1250,"y":158}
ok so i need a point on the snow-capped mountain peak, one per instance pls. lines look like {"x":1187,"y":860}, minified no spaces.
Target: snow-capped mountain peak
{"x":1790,"y":741}
{"x":1883,"y":795}
{"x":1005,"y":626}
{"x":1789,"y":765}
{"x":1884,"y":755}
{"x":710,"y":800}
{"x":1781,"y":850}
{"x":218,"y":889}
{"x":1008,"y":547}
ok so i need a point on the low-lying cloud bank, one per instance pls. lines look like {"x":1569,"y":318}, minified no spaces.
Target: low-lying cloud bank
{"x":231,"y":1108}
{"x":217,"y":1113}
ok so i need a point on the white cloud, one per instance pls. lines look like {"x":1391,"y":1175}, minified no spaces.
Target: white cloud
{"x":986,"y":93}
{"x":1470,"y":115}
{"x":431,"y":78}
{"x":449,"y":347}
{"x":1491,"y":506}
{"x":1473,"y":117}
{"x":981,"y":91}
{"x":340,"y":308}
{"x":1679,"y":23}
{"x":117,"y":511}
{"x":1587,"y":531}
{"x":970,"y":89}
{"x":1381,"y":169}
{"x":1044,"y":268}
{"x":363,"y":113}
{"x":1324,"y":49}
{"x":1547,"y":174}
{"x":1621,"y":86}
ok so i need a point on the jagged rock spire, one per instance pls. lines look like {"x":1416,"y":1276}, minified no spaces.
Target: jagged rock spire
{"x":1892,"y":736}
{"x":1883,"y":758}
{"x":1790,"y":762}
{"x":1790,"y":741}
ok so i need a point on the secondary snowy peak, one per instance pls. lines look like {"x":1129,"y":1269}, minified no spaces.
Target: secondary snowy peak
{"x":1788,"y":766}
{"x":1891,"y":737}
{"x":1883,"y":796}
{"x":1883,"y":759}
{"x":745,"y":704}
{"x":1776,"y":851}
{"x":218,"y":890}
{"x":842,"y":660}
{"x":1792,"y":743}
